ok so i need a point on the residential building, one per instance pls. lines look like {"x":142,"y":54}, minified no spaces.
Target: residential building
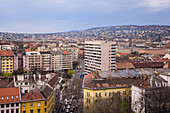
{"x":5,"y":46}
{"x":61,"y":60}
{"x":25,"y":83}
{"x":10,"y":100}
{"x":72,"y":49}
{"x":38,"y":102}
{"x":140,"y":88}
{"x":95,"y":87}
{"x":100,"y":55}
{"x":33,"y":61}
{"x":6,"y":61}
{"x":46,"y":60}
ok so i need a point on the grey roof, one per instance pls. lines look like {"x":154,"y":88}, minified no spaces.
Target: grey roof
{"x":56,"y":52}
{"x":106,"y":74}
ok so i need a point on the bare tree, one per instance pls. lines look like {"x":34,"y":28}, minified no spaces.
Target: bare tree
{"x":156,"y":100}
{"x":115,"y":104}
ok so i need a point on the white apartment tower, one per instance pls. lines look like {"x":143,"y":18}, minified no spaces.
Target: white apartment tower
{"x":100,"y":55}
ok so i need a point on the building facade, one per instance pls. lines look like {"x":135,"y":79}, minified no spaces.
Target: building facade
{"x":10,"y":100}
{"x":6,"y":61}
{"x":100,"y":55}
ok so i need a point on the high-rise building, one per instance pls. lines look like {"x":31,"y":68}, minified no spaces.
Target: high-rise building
{"x":99,"y":55}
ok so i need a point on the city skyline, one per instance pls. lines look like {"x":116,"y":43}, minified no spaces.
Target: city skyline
{"x":46,"y":16}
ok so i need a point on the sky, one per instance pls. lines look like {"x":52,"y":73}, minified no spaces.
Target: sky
{"x":49,"y":16}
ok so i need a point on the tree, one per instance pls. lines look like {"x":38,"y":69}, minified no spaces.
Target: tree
{"x":113,"y":104}
{"x":70,"y":72}
{"x":156,"y":100}
{"x":75,"y":63}
{"x":7,"y":74}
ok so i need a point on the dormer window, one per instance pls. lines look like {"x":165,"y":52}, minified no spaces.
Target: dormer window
{"x":17,"y":97}
{"x":2,"y":98}
{"x":12,"y":97}
{"x":7,"y":97}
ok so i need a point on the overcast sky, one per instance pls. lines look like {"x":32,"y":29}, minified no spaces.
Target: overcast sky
{"x":44,"y":16}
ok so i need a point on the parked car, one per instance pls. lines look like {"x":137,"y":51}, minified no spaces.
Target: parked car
{"x":67,"y":110}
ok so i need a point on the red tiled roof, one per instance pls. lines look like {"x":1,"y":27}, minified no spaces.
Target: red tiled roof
{"x":66,"y":52}
{"x":32,"y":96}
{"x":6,"y":53}
{"x":27,"y":50}
{"x":163,"y":60}
{"x":123,"y":53}
{"x":90,"y":75}
{"x":9,"y":92}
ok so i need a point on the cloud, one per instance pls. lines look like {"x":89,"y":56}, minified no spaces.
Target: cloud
{"x":154,"y":5}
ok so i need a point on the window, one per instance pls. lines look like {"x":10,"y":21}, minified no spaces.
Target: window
{"x":45,"y":109}
{"x":7,"y":105}
{"x":105,"y":94}
{"x":12,"y":105}
{"x":17,"y":97}
{"x":12,"y":110}
{"x":17,"y":104}
{"x":31,"y":111}
{"x":24,"y":111}
{"x":17,"y":110}
{"x":23,"y":105}
{"x":12,"y":97}
{"x":7,"y":97}
{"x":31,"y":104}
{"x":38,"y":110}
{"x":2,"y":98}
{"x":96,"y":94}
{"x":38,"y":104}
{"x":124,"y":92}
{"x":109,"y":93}
{"x":2,"y":111}
{"x":99,"y":94}
{"x":45,"y":103}
{"x":2,"y":105}
{"x":7,"y":111}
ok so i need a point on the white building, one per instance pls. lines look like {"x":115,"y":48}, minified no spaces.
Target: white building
{"x":100,"y":55}
{"x":5,"y":46}
{"x":139,"y":89}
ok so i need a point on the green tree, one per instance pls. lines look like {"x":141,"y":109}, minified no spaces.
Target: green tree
{"x":70,"y":72}
{"x":7,"y":74}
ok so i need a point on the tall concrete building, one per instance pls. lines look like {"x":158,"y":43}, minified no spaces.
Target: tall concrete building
{"x":100,"y":55}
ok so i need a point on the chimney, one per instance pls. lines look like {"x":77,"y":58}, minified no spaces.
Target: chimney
{"x":127,"y":71}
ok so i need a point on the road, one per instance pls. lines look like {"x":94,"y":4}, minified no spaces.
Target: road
{"x":72,"y":91}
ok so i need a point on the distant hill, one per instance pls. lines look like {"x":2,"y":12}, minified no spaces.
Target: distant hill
{"x":124,"y":31}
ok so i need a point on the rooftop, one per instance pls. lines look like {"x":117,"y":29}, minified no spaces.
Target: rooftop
{"x":6,"y":53}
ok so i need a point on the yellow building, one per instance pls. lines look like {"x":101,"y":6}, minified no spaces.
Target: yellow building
{"x":6,"y":61}
{"x":95,"y":87}
{"x":38,"y":102}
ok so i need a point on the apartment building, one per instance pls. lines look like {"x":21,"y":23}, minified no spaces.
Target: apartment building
{"x":10,"y":100}
{"x":6,"y":61}
{"x":61,"y":60}
{"x":33,"y":61}
{"x":46,"y":60}
{"x":5,"y":46}
{"x":72,"y":49}
{"x":100,"y":55}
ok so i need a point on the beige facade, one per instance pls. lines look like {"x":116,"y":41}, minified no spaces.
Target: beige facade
{"x":33,"y":61}
{"x":61,"y":60}
{"x":73,"y":50}
{"x":100,"y":55}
